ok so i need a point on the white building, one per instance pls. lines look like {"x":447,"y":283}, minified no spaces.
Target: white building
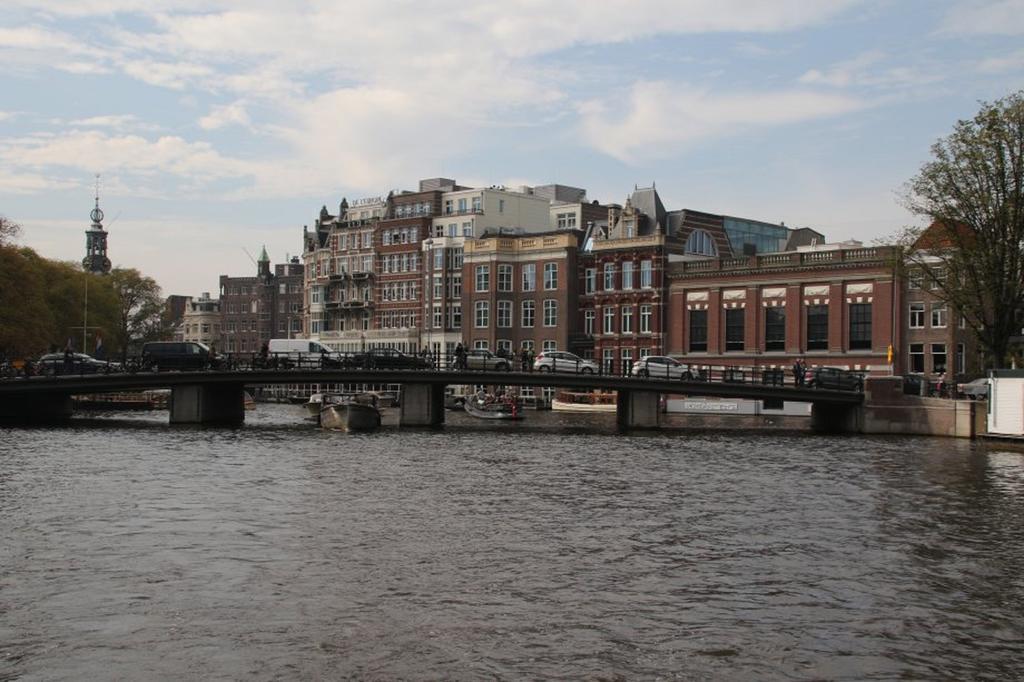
{"x":201,"y":321}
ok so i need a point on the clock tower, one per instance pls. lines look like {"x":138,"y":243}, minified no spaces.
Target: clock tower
{"x":96,"y":260}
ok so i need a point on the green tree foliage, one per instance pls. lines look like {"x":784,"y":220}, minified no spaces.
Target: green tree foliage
{"x":45,"y":303}
{"x":139,"y":308}
{"x":972,"y":193}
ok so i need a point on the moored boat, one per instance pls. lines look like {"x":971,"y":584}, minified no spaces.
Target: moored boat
{"x":590,"y":401}
{"x":360,"y":413}
{"x":493,"y":408}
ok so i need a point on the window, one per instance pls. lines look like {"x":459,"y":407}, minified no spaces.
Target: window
{"x":565,"y":220}
{"x":455,"y":314}
{"x":817,"y":327}
{"x":550,"y":313}
{"x":939,"y":315}
{"x":529,"y":312}
{"x":860,"y":326}
{"x":529,"y":277}
{"x":437,"y":318}
{"x":646,"y":274}
{"x":448,"y":206}
{"x":609,"y":276}
{"x":504,"y":278}
{"x":734,"y":319}
{"x":501,"y":205}
{"x":550,"y":276}
{"x":938,"y":358}
{"x":467,"y":229}
{"x":504,"y":313}
{"x":775,"y":328}
{"x":476,"y":204}
{"x":590,"y":280}
{"x":455,"y":284}
{"x":609,"y":320}
{"x":608,"y":360}
{"x":645,"y":319}
{"x":462,"y":205}
{"x":960,"y":366}
{"x":917,"y":358}
{"x":627,"y":319}
{"x":588,"y":322}
{"x":453,"y":229}
{"x":701,"y":243}
{"x":483,"y":278}
{"x":698,"y":331}
{"x":627,"y":360}
{"x":917,"y":316}
{"x":482,"y":314}
{"x":627,"y":274}
{"x":314,"y":294}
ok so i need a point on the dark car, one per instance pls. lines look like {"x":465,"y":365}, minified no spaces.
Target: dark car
{"x":78,"y":363}
{"x":836,"y":379}
{"x":177,"y":355}
{"x":389,"y":358}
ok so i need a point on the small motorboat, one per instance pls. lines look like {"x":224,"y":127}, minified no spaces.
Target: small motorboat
{"x":314,"y":405}
{"x":491,"y":407}
{"x":358,"y":413}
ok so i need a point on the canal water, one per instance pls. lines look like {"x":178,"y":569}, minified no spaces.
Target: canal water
{"x":551,"y":548}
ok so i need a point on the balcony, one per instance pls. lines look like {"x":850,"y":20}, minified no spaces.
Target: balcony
{"x":337,"y":276}
{"x":332,"y":305}
{"x":361,"y":275}
{"x":465,"y":211}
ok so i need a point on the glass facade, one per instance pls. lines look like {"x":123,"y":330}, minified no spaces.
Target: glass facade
{"x":754,"y":235}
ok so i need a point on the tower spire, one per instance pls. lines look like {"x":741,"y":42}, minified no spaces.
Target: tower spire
{"x":96,"y":260}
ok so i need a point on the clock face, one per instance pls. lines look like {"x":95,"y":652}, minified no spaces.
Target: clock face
{"x":96,"y":215}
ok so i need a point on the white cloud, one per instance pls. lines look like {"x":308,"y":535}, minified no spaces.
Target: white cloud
{"x":1010,"y":62}
{"x":868,"y":69}
{"x":998,"y":17}
{"x":229,"y":114}
{"x":173,"y":75}
{"x":663,"y":118}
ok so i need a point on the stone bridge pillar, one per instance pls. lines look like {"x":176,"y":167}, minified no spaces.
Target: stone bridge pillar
{"x":421,"y":405}
{"x":208,"y":404}
{"x":638,"y":409}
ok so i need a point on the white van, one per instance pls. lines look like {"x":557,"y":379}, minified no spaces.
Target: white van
{"x":302,"y":352}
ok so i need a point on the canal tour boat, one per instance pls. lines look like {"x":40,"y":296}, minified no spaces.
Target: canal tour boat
{"x":358,"y":413}
{"x":588,"y":401}
{"x":492,"y":407}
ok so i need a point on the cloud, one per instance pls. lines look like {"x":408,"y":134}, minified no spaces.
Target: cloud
{"x":998,"y":17}
{"x":1010,"y":62}
{"x":663,"y":118}
{"x":114,"y":121}
{"x":230,"y":114}
{"x":867,"y":70}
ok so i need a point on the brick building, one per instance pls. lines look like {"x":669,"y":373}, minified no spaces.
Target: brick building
{"x":835,"y":305}
{"x":257,"y":309}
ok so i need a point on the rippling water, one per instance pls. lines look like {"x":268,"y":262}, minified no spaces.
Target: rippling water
{"x":130,"y":549}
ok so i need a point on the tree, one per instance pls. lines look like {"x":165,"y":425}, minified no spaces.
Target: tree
{"x":139,"y":305}
{"x":8,"y":230}
{"x":972,"y":252}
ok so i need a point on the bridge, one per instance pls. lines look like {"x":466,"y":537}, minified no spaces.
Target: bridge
{"x":218,"y":397}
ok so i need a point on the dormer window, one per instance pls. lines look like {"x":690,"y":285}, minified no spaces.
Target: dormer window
{"x":701,"y":243}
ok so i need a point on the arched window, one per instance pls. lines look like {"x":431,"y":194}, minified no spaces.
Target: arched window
{"x":701,"y":243}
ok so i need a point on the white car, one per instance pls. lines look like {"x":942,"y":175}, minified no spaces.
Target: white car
{"x":662,"y":367}
{"x":563,"y":361}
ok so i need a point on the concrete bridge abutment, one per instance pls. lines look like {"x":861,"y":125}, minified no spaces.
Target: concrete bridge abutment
{"x":421,"y":405}
{"x":35,"y":408}
{"x":638,"y":409}
{"x":222,"y":404}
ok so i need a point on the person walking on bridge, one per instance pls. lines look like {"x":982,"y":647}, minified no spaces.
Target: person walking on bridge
{"x":799,"y":372}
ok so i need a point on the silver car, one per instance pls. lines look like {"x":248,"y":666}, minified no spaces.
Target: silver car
{"x":479,"y":358}
{"x":563,"y":361}
{"x":662,"y":367}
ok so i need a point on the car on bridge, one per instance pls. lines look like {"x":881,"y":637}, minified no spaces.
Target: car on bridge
{"x":835,"y":379}
{"x":564,"y":361}
{"x":389,"y":358}
{"x":161,"y":356}
{"x":78,"y":363}
{"x":481,"y":358}
{"x":663,"y":367}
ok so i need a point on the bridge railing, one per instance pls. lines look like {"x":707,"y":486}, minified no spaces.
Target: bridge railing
{"x":445,"y":362}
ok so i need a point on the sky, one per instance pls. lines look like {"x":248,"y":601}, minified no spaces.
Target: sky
{"x":220,"y":126}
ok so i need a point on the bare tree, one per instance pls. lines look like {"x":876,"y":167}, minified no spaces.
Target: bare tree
{"x":972,"y":252}
{"x":8,"y":230}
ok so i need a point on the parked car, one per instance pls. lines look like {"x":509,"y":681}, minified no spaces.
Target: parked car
{"x":389,"y":358}
{"x":563,"y":361}
{"x":663,"y":367}
{"x":177,"y":355}
{"x":835,"y":379}
{"x":976,"y":389}
{"x":53,"y":363}
{"x":479,"y":358}
{"x":304,"y":353}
